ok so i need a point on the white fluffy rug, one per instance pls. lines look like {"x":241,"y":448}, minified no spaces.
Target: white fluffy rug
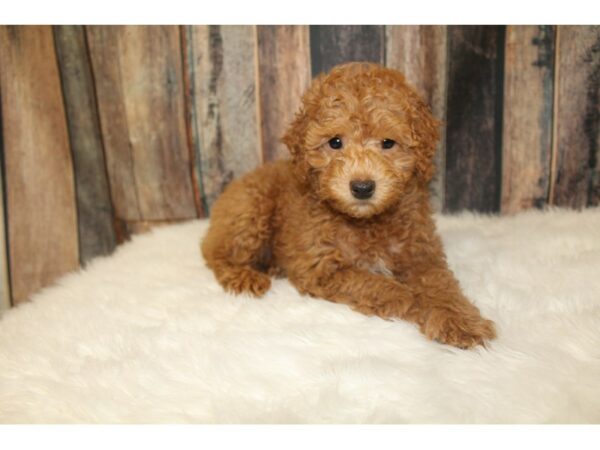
{"x":147,"y":335}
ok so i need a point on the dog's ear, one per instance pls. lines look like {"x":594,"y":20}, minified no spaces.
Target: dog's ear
{"x":294,"y":136}
{"x":425,"y":130}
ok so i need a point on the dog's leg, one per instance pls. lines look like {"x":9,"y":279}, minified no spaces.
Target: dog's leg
{"x":366,"y":292}
{"x":242,"y":279}
{"x":433,"y":301}
{"x":231,"y":251}
{"x":442,"y":311}
{"x":239,"y":231}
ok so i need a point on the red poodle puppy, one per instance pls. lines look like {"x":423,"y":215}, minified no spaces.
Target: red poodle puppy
{"x":348,"y":219}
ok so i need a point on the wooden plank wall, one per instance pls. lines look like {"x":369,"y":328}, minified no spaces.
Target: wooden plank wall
{"x":474,"y":118}
{"x":94,"y":208}
{"x":40,"y":189}
{"x":284,"y":75}
{"x":143,"y":125}
{"x":224,"y":102}
{"x":577,"y":117}
{"x":527,"y":122}
{"x":139,"y":86}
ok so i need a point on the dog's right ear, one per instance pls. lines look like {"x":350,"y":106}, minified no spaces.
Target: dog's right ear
{"x":294,"y":136}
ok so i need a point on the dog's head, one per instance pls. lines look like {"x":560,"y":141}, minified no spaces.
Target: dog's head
{"x":361,"y":136}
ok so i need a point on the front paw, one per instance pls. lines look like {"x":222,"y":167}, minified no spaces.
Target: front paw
{"x":460,"y":330}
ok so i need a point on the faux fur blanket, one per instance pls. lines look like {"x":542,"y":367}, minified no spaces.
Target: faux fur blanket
{"x":147,"y":335}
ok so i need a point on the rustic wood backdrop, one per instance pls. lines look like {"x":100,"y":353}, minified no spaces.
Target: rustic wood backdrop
{"x":107,"y":130}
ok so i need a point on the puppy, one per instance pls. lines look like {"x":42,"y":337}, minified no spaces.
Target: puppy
{"x":348,"y":218}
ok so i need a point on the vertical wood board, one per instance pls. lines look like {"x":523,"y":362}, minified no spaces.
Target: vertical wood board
{"x":577,"y":116}
{"x":225,"y":100}
{"x":139,"y":85}
{"x":474,"y":118}
{"x":284,"y":74}
{"x":336,"y":44}
{"x":191,"y":119}
{"x":527,"y":122}
{"x":5,"y":301}
{"x":42,"y":218}
{"x":94,"y":208}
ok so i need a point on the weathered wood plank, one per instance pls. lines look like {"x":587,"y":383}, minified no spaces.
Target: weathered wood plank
{"x":41,"y":210}
{"x":225,"y":101}
{"x":336,"y":44}
{"x":191,"y":119}
{"x":284,"y":74}
{"x":103,"y":45}
{"x":474,"y":129}
{"x":140,"y":93}
{"x":577,"y":152}
{"x":527,"y":122}
{"x":94,"y":208}
{"x":5,"y":302}
{"x":420,"y":52}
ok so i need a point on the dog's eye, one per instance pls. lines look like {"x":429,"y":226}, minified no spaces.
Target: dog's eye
{"x":387,"y":144}
{"x":335,"y":143}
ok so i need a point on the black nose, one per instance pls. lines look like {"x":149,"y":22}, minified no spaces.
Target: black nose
{"x":362,"y":189}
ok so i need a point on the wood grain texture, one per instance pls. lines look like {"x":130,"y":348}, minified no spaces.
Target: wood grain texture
{"x":577,"y":115}
{"x":225,"y":101}
{"x":527,"y":122}
{"x":191,"y":119}
{"x":5,"y":301}
{"x":94,"y":208}
{"x":41,"y":209}
{"x":335,"y":44}
{"x":420,"y":53}
{"x":140,"y":93}
{"x":474,"y":126}
{"x":284,"y":74}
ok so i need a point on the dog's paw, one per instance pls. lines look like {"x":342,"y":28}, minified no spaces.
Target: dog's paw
{"x":463,"y":331}
{"x":246,"y":280}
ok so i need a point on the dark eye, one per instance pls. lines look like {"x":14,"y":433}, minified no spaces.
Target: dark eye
{"x":335,"y":143}
{"x":387,"y":143}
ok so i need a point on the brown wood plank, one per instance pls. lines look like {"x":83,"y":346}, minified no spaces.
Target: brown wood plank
{"x":474,"y":118}
{"x":139,"y":85}
{"x":336,"y":44}
{"x":103,"y":42}
{"x":527,"y":122}
{"x":225,"y":103}
{"x":577,"y":115}
{"x":191,"y":119}
{"x":284,"y":74}
{"x":420,"y":53}
{"x":5,"y":302}
{"x":94,"y":208}
{"x":42,"y":218}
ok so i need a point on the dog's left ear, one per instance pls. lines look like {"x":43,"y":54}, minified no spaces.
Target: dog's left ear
{"x":425,"y":131}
